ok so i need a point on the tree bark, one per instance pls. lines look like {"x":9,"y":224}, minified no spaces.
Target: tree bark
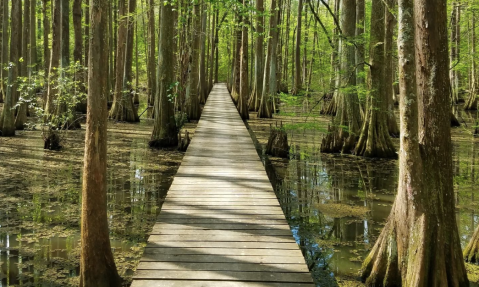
{"x":77,"y":27}
{"x":97,"y":267}
{"x":193,"y":105}
{"x":202,"y":84}
{"x":455,"y":49}
{"x":258,"y":59}
{"x":55,"y":55}
{"x":297,"y":55}
{"x":389,"y":23}
{"x":471,"y":252}
{"x":7,"y":122}
{"x":165,"y":132}
{"x":151,"y":52}
{"x":472,"y":102}
{"x":421,"y":234}
{"x":65,"y":30}
{"x":340,"y":139}
{"x":244,"y":85}
{"x":33,"y":36}
{"x":21,"y":116}
{"x":4,"y":54}
{"x":123,"y":108}
{"x":374,"y":140}
{"x":266,"y":103}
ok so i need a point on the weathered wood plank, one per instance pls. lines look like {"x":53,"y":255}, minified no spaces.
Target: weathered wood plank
{"x":224,"y":275}
{"x":223,"y":251}
{"x":205,"y":283}
{"x":243,"y":267}
{"x":221,"y":237}
{"x":235,"y":245}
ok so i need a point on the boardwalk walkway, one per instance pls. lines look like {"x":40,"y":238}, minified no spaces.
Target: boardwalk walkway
{"x":221,"y":224}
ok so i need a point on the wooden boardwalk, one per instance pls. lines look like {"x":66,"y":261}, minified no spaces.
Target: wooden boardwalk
{"x":221,"y":224}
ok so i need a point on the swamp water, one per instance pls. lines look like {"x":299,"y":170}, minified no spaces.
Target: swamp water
{"x":337,"y":205}
{"x":40,"y":202}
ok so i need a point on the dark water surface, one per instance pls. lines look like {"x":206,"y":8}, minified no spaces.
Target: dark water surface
{"x":337,"y":205}
{"x":40,"y":201}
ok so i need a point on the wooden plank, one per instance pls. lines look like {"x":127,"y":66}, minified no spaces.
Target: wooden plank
{"x":224,"y":275}
{"x":234,"y":245}
{"x":223,"y":226}
{"x":222,"y":237}
{"x":230,"y":233}
{"x":207,"y":258}
{"x":197,"y":221}
{"x":243,"y":267}
{"x":223,"y":251}
{"x":206,"y":283}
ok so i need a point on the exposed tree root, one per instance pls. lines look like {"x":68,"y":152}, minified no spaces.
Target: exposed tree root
{"x":331,"y":108}
{"x":123,"y":109}
{"x":278,"y":142}
{"x":454,"y":121}
{"x":471,"y":253}
{"x":375,"y":140}
{"x":471,"y":103}
{"x":338,"y":140}
{"x":52,"y":141}
{"x":183,"y":143}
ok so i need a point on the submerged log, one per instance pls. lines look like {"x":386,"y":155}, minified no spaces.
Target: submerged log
{"x":278,"y":142}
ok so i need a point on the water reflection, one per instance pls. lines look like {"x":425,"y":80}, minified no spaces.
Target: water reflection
{"x":337,"y":205}
{"x":40,"y":203}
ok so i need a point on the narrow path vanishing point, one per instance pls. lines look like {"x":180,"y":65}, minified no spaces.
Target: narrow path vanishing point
{"x":221,"y":224}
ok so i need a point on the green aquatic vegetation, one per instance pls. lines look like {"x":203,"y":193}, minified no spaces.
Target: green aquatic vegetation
{"x":338,"y":210}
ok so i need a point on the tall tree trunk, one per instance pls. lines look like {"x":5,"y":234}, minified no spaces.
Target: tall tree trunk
{"x":193,"y":105}
{"x":78,"y":49}
{"x":87,"y":37}
{"x":77,"y":27}
{"x":65,"y":33}
{"x":419,"y":245}
{"x":244,"y":85}
{"x":374,"y":140}
{"x":340,"y":139}
{"x":212,"y":48}
{"x":258,"y":58}
{"x":202,"y":84}
{"x":7,"y":121}
{"x":389,"y":24}
{"x":46,"y":48}
{"x":297,"y":55}
{"x":97,"y":267}
{"x":21,"y":116}
{"x":152,"y":52}
{"x":33,"y":35}
{"x":266,"y":104}
{"x":235,"y":89}
{"x":471,"y":102}
{"x":360,"y":50}
{"x":165,"y":130}
{"x":216,"y":46}
{"x":55,"y":55}
{"x":455,"y":53}
{"x":123,"y":108}
{"x":4,"y":53}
